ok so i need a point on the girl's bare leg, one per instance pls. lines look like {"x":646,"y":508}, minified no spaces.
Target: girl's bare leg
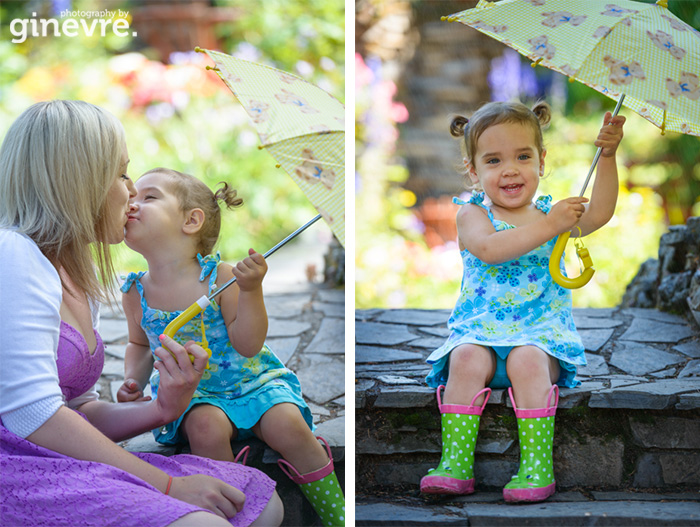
{"x":531,"y":372}
{"x":201,"y":519}
{"x":471,"y":369}
{"x":283,"y":429}
{"x":209,"y":431}
{"x":272,"y":515}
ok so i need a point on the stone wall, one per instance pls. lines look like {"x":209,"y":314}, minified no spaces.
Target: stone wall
{"x":671,"y":282}
{"x":446,"y":76}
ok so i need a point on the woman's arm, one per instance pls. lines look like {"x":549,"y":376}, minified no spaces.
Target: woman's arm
{"x":178,"y":380}
{"x":69,"y":434}
{"x":605,"y":188}
{"x":244,"y":309}
{"x":478,"y":236}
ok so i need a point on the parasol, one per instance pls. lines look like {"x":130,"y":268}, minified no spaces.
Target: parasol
{"x":299,"y":124}
{"x":302,"y":126}
{"x":640,"y":55}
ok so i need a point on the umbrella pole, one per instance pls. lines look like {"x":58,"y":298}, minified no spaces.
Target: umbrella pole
{"x":583,"y":254}
{"x":268,"y":253}
{"x":597,"y":154}
{"x":201,"y":304}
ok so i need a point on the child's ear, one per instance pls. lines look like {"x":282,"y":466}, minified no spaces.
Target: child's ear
{"x":194,"y":220}
{"x":471,"y":172}
{"x":544,"y":153}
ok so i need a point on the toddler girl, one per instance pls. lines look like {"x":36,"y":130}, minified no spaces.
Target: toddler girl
{"x":174,"y":222}
{"x":512,"y":326}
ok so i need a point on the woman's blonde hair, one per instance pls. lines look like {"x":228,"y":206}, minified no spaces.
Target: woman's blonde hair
{"x":192,"y":193}
{"x":57,"y":164}
{"x":494,"y":113}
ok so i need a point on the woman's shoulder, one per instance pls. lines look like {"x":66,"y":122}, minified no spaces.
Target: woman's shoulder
{"x":24,"y":252}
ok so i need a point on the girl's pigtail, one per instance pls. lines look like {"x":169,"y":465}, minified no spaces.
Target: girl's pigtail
{"x":458,"y":126}
{"x":543,"y":112}
{"x":228,"y":195}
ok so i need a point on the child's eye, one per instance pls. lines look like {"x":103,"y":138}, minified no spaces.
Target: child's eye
{"x":125,"y":177}
{"x":149,"y":196}
{"x":524,"y":157}
{"x":492,"y":161}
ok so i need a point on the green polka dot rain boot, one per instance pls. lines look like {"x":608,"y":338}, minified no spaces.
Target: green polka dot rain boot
{"x":321,"y":488}
{"x":460,"y":427}
{"x":535,"y":478}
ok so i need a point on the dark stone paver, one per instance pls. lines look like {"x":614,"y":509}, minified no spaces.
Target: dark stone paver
{"x":692,"y":348}
{"x":632,"y":512}
{"x":692,"y":369}
{"x":650,"y":330}
{"x":330,"y":337}
{"x":382,"y":334}
{"x":414,"y":317}
{"x":639,"y":359}
{"x":594,"y":339}
{"x":365,"y":354}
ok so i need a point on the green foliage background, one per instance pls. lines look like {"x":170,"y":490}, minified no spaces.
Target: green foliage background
{"x":175,"y":113}
{"x":659,"y":186}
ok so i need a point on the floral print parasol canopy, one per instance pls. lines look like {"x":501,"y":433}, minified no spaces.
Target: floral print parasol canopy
{"x":300,"y":125}
{"x":615,"y":47}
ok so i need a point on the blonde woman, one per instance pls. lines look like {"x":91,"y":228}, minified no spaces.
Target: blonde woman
{"x":64,"y":193}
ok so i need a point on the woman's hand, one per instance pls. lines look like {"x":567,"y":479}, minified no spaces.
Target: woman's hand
{"x":209,"y":493}
{"x":179,"y":376}
{"x":566,"y":213}
{"x":250,"y":272}
{"x":131,"y":391}
{"x":610,"y":134}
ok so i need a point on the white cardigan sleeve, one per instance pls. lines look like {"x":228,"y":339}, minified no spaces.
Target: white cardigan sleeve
{"x":30,"y":299}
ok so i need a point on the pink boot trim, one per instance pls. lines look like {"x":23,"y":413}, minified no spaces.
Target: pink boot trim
{"x":463,"y":409}
{"x":298,"y":478}
{"x":242,"y":454}
{"x":444,"y":485}
{"x":537,"y":412}
{"x":529,"y":495}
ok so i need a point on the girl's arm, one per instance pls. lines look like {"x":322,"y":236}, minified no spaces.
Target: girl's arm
{"x":138,"y":361}
{"x":605,"y":188}
{"x":69,"y":434}
{"x":243,"y":308}
{"x":478,"y":236}
{"x":178,"y":380}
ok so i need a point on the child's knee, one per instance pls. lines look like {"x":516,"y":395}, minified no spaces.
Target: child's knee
{"x":207,"y":424}
{"x":471,"y":360}
{"x":527,"y":362}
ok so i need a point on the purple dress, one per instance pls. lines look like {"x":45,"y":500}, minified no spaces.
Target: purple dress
{"x":41,"y":487}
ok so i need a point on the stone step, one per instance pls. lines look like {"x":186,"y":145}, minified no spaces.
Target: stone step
{"x":634,"y":423}
{"x":572,"y":509}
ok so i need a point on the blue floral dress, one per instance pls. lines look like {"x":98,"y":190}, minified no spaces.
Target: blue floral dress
{"x":515,"y":303}
{"x":244,"y":388}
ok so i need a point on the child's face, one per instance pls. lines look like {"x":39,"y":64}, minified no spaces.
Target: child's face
{"x":155,"y":213}
{"x":508,"y":165}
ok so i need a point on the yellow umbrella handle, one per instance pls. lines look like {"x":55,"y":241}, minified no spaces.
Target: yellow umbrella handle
{"x":555,"y":271}
{"x":583,"y":254}
{"x":201,"y":304}
{"x":184,"y":317}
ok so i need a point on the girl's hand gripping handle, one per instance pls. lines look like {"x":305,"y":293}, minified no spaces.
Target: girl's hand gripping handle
{"x":558,"y":277}
{"x":184,"y":317}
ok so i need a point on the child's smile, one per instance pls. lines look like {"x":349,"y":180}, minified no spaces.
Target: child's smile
{"x":508,"y":165}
